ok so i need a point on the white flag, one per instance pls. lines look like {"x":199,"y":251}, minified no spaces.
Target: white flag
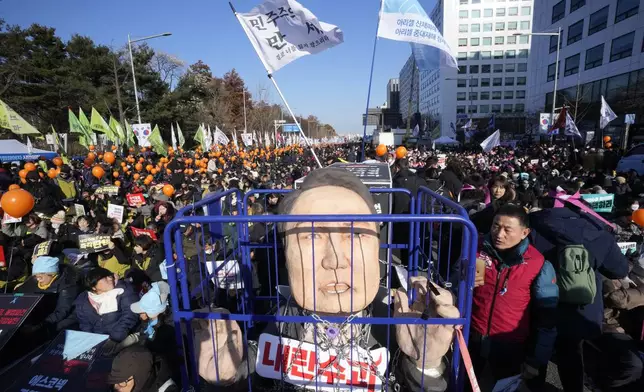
{"x":629,"y":119}
{"x":174,"y":139}
{"x":468,"y":125}
{"x":30,"y":148}
{"x":571,"y":127}
{"x":235,"y":138}
{"x":606,"y":114}
{"x":407,"y":21}
{"x":219,"y":137}
{"x":282,"y":31}
{"x":494,"y":140}
{"x":247,"y":138}
{"x":208,"y":139}
{"x":142,"y":133}
{"x":415,"y":131}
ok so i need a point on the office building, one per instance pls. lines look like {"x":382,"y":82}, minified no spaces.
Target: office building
{"x":493,"y":64}
{"x":393,"y":94}
{"x":408,"y":95}
{"x":601,"y":53}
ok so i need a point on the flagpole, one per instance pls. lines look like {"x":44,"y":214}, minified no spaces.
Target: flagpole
{"x":270,"y":76}
{"x":373,"y":60}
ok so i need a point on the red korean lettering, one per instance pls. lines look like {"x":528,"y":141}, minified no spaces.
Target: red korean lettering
{"x":303,"y":363}
{"x":363,"y":376}
{"x":267,"y":351}
{"x":333,"y":371}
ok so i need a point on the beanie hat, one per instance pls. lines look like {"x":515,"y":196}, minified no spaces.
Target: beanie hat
{"x":58,"y":218}
{"x":45,"y":265}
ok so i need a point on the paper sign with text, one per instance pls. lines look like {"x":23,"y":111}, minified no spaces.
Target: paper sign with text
{"x":228,"y":274}
{"x":304,"y":363}
{"x":107,"y":190}
{"x":14,"y":310}
{"x":626,"y":246}
{"x":115,"y":211}
{"x":92,"y":243}
{"x":10,"y":219}
{"x":600,"y":203}
{"x":134,"y":199}
{"x":42,"y":249}
{"x":79,"y":209}
{"x":138,"y":232}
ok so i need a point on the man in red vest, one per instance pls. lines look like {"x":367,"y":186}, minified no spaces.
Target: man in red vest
{"x":515,"y":302}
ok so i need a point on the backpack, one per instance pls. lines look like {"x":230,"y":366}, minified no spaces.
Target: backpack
{"x":575,"y":276}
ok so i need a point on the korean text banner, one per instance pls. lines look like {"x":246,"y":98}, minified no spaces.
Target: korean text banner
{"x":407,"y":21}
{"x":282,"y":31}
{"x":599,"y":202}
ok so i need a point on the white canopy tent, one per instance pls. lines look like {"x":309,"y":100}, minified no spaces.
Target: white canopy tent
{"x":445,"y":140}
{"x":12,"y":150}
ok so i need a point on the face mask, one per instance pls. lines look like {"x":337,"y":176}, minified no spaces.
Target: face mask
{"x":208,"y":251}
{"x":635,"y":207}
{"x":55,"y":226}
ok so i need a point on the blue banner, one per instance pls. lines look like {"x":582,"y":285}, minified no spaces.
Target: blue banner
{"x":600,"y":203}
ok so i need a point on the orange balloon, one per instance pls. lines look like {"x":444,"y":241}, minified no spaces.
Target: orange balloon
{"x":29,"y":166}
{"x":401,"y":152}
{"x":117,"y":183}
{"x":609,"y":145}
{"x":637,"y":217}
{"x":219,"y":171}
{"x":23,"y":173}
{"x":202,"y":170}
{"x":109,"y":157}
{"x":123,"y":164}
{"x":147,"y":181}
{"x":115,"y":174}
{"x":168,"y":190}
{"x":131,"y":149}
{"x":154,"y":171}
{"x":607,"y":139}
{"x":91,"y":147}
{"x":98,"y":172}
{"x":23,"y":181}
{"x":52,"y":173}
{"x":14,"y":186}
{"x":91,"y":156}
{"x":149,"y":177}
{"x":143,"y":149}
{"x":57,"y":161}
{"x":148,"y":167}
{"x":141,"y":160}
{"x":138,"y":167}
{"x":168,"y":171}
{"x":136,"y":176}
{"x":381,"y":150}
{"x":114,"y":148}
{"x":17,"y":202}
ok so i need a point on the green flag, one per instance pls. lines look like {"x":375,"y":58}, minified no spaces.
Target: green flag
{"x":129,"y":135}
{"x":57,"y":141}
{"x":157,"y":143}
{"x":82,"y":118}
{"x":199,"y":136}
{"x":11,"y":120}
{"x":180,"y":138}
{"x":117,"y":129}
{"x":98,"y":123}
{"x":75,"y":125}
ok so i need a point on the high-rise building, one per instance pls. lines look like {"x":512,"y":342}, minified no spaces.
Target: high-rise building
{"x":393,"y":94}
{"x":601,"y":53}
{"x":493,"y":65}
{"x":408,"y":82}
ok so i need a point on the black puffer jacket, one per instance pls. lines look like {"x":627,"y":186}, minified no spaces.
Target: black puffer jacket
{"x":61,"y":293}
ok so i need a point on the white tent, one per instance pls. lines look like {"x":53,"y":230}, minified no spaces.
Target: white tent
{"x":445,"y":140}
{"x":12,"y":150}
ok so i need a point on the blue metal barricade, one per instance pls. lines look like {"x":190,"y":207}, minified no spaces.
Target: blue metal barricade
{"x":224,"y":271}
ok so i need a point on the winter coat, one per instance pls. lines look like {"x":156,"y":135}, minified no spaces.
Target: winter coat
{"x":407,"y":180}
{"x":62,"y":292}
{"x":117,"y":324}
{"x":519,"y":296}
{"x":622,"y":295}
{"x":554,"y":228}
{"x":451,"y":183}
{"x":150,"y":263}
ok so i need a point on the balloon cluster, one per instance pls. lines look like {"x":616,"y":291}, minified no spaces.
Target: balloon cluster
{"x":607,"y":142}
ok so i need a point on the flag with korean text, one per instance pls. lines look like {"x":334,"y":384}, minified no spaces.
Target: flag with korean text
{"x":282,"y":31}
{"x":407,"y":21}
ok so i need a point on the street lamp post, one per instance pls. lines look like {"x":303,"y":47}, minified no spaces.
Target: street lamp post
{"x":554,"y":93}
{"x":129,"y":44}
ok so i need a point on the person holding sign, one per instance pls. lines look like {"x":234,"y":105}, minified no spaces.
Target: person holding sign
{"x":345,"y":284}
{"x":105,"y":308}
{"x":59,"y":283}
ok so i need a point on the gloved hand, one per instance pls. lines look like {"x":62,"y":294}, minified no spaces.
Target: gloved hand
{"x":109,"y":348}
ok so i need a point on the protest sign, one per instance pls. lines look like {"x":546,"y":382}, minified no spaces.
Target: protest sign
{"x":79,"y":209}
{"x":600,"y":203}
{"x":42,"y":249}
{"x":92,"y":243}
{"x":107,"y":190}
{"x":10,"y":219}
{"x":14,"y":310}
{"x":72,"y":362}
{"x":534,"y":162}
{"x":115,"y":211}
{"x":138,"y":232}
{"x":134,"y":199}
{"x":626,"y":246}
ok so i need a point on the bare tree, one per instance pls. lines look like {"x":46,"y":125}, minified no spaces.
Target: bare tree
{"x":168,"y":66}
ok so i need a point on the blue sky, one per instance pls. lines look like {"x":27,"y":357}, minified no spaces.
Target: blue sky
{"x":331,"y":85}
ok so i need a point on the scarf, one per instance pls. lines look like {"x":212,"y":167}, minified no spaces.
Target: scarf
{"x":150,"y":330}
{"x":46,"y":286}
{"x":106,"y":302}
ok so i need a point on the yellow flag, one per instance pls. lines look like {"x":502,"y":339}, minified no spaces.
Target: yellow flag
{"x":11,"y":120}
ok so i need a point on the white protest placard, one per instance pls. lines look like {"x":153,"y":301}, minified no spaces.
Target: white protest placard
{"x":534,"y":162}
{"x":115,"y":211}
{"x":10,"y":219}
{"x":626,"y":246}
{"x":79,"y":209}
{"x":304,"y":364}
{"x":142,"y":133}
{"x":228,"y":277}
{"x":49,"y":138}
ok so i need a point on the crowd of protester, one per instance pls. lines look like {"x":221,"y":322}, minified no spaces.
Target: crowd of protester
{"x":519,"y":199}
